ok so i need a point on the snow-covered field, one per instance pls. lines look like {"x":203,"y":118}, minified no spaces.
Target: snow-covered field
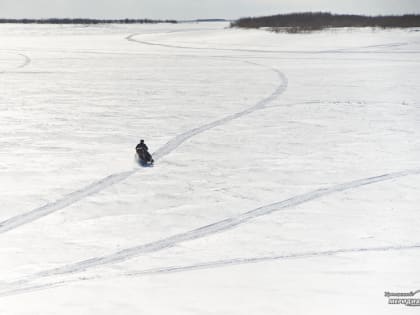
{"x":287,"y":176}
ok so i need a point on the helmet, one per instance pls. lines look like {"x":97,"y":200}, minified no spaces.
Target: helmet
{"x":141,"y":141}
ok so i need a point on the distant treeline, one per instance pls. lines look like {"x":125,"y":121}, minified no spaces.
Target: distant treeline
{"x":320,"y":20}
{"x":84,"y":21}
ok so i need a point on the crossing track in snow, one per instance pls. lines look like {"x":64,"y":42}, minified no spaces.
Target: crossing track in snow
{"x":116,"y":178}
{"x":218,"y":227}
{"x":23,"y":287}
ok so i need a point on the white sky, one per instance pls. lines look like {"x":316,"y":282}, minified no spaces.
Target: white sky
{"x":191,"y":9}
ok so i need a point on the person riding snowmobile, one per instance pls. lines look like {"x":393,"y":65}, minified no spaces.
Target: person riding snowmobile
{"x":143,"y":152}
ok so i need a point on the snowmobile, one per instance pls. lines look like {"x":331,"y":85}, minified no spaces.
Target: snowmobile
{"x":145,"y":158}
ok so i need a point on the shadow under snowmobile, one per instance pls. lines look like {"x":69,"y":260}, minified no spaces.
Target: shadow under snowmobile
{"x":144,"y":159}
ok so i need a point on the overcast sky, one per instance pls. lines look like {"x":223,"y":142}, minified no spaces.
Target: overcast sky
{"x":191,"y":9}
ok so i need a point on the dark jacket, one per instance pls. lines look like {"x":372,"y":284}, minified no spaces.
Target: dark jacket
{"x":142,"y":146}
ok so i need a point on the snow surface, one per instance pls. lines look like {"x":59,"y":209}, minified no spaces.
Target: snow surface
{"x":286,"y":181}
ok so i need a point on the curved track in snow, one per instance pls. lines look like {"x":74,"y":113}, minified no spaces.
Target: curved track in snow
{"x":113,"y":179}
{"x":26,"y":61}
{"x":178,"y":140}
{"x":353,"y":50}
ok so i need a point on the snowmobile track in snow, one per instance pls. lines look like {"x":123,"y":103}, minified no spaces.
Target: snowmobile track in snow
{"x":255,"y":260}
{"x":217,"y":227}
{"x":26,"y":61}
{"x":22,"y":288}
{"x":24,"y":285}
{"x":113,"y":179}
{"x":354,"y":50}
